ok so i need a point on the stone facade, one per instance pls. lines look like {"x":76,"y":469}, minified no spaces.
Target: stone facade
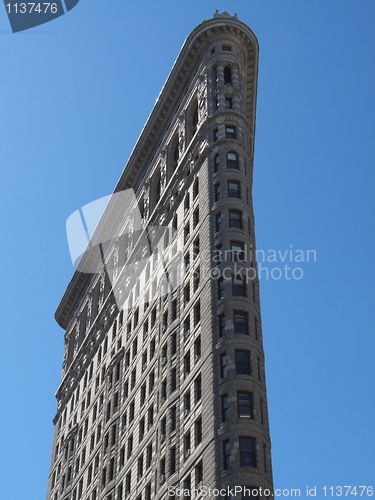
{"x":171,"y":391}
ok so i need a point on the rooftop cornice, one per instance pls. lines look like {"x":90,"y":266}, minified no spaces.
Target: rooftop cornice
{"x":183,"y":70}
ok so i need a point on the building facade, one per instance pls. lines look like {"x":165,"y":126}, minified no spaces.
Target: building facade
{"x":163,"y":381}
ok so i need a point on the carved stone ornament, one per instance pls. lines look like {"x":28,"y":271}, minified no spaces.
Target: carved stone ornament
{"x":220,"y":119}
{"x":224,"y":14}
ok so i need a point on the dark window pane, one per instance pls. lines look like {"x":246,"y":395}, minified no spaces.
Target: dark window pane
{"x":240,"y":322}
{"x":243,"y":362}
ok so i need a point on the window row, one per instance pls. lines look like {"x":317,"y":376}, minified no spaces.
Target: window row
{"x":233,"y":191}
{"x":230,"y":132}
{"x":239,"y":285}
{"x":231,"y":161}
{"x":244,"y":408}
{"x":243,"y":364}
{"x":240,"y":324}
{"x":247,"y":453}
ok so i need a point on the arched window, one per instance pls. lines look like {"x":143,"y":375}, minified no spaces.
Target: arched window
{"x":232,"y":160}
{"x":227,"y":75}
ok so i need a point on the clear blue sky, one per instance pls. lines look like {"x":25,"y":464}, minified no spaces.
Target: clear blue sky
{"x":75,"y":94}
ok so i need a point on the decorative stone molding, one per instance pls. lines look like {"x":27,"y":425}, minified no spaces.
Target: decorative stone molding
{"x":225,"y":14}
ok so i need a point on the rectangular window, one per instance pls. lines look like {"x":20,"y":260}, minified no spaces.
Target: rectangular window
{"x":226,"y":48}
{"x":196,"y":217}
{"x":150,"y":416}
{"x":235,"y":219}
{"x":133,"y":378}
{"x":187,"y":402}
{"x":198,"y":388}
{"x":187,"y":326}
{"x":174,"y":309}
{"x":197,"y":313}
{"x":217,"y":192}
{"x":141,"y":429}
{"x":216,"y":134}
{"x":226,"y":455}
{"x":173,"y":460}
{"x":173,"y":344}
{"x":148,"y":492}
{"x":173,"y":379}
{"x":122,"y":456}
{"x":198,"y":431}
{"x":247,"y":452}
{"x":220,"y":288}
{"x":130,"y":446}
{"x":240,"y":322}
{"x":187,"y":363}
{"x":243,"y":363}
{"x":223,"y":365}
{"x":234,"y":189}
{"x":228,"y":102}
{"x":232,"y":160}
{"x":245,"y":404}
{"x":230,"y":132}
{"x":186,"y":232}
{"x":113,"y":434}
{"x":196,"y":188}
{"x":218,"y":222}
{"x":173,"y":415}
{"x":187,"y":488}
{"x":218,"y":257}
{"x":196,"y":248}
{"x":199,"y":474}
{"x":143,"y":394}
{"x":216,"y":163}
{"x":163,"y":426}
{"x":239,"y":286}
{"x":131,"y":411}
{"x":140,"y":466}
{"x":224,"y":408}
{"x":152,"y":348}
{"x":197,"y":347}
{"x":187,"y":262}
{"x":237,"y":251}
{"x":162,"y":467}
{"x":221,"y":325}
{"x":187,"y":443}
{"x":149,"y":455}
{"x":187,"y":293}
{"x":128,"y":482}
{"x":196,"y":279}
{"x":164,"y":389}
{"x":111,"y":469}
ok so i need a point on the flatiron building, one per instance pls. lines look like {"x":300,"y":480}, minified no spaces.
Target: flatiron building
{"x":163,"y":381}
